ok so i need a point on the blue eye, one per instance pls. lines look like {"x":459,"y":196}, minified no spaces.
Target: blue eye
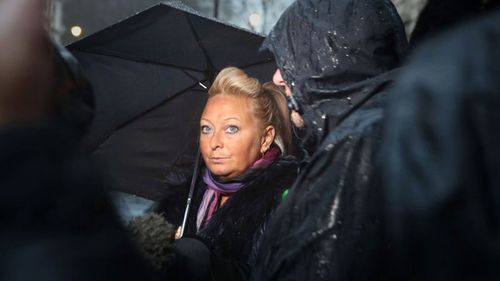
{"x":205,"y":129}
{"x":232,"y":129}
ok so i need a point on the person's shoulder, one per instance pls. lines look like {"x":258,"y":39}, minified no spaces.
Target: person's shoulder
{"x":277,"y":177}
{"x":284,"y":168}
{"x":363,"y":124}
{"x":450,"y":67}
{"x":286,"y":162}
{"x":470,"y":40}
{"x":366,"y":116}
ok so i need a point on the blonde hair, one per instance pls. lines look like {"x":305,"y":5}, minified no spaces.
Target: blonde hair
{"x":268,"y":102}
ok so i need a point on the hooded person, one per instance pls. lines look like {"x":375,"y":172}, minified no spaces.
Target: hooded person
{"x":441,"y":158}
{"x":57,"y":220}
{"x":336,"y":60}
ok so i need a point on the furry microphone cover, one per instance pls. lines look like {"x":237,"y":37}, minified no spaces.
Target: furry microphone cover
{"x":154,"y":237}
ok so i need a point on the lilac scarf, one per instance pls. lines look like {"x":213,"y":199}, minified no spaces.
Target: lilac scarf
{"x":211,"y":199}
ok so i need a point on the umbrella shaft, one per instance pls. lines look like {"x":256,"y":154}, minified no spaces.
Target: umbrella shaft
{"x":191,"y":192}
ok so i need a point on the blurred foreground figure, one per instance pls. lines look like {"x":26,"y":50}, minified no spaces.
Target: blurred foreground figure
{"x":441,"y":159}
{"x":439,"y":15}
{"x":57,"y":222}
{"x":335,"y":60}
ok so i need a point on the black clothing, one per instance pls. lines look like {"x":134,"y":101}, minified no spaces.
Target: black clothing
{"x":235,"y":229}
{"x":326,"y":228}
{"x":192,"y":261}
{"x":441,"y":159}
{"x":335,"y":55}
{"x":57,"y":221}
{"x":439,"y":15}
{"x":324,"y":49}
{"x":330,"y":45}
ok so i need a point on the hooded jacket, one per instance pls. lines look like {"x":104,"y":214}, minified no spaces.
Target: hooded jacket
{"x":336,"y":56}
{"x":441,"y":159}
{"x":330,"y":51}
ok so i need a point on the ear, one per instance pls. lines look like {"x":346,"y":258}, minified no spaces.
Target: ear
{"x":267,"y":139}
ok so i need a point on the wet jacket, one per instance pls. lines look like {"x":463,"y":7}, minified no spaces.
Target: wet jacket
{"x":337,"y":57}
{"x":234,"y":231}
{"x":441,"y":164}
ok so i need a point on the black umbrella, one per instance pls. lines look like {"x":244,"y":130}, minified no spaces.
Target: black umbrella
{"x":149,"y":74}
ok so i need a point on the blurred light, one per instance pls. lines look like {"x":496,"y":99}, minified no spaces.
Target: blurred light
{"x":76,"y":31}
{"x":255,"y":20}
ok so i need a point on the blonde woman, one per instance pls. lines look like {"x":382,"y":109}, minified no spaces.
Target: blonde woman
{"x":245,"y":136}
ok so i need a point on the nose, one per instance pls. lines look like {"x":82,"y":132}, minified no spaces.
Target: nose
{"x":216,"y":141}
{"x":278,"y":79}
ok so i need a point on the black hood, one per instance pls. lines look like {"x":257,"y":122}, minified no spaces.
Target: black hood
{"x":330,"y":45}
{"x":331,"y":53}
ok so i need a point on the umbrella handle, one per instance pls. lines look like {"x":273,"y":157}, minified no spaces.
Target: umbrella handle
{"x":191,"y":192}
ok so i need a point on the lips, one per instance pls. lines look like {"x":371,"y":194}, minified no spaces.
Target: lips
{"x":217,"y":160}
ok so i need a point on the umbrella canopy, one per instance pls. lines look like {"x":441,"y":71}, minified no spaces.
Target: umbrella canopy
{"x":149,"y":75}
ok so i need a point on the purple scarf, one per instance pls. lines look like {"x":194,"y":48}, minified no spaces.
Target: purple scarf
{"x":211,"y":199}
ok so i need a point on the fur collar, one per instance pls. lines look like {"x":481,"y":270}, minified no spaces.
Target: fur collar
{"x":235,"y":229}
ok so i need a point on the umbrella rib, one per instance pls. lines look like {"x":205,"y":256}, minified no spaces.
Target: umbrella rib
{"x":132,"y":119}
{"x":183,"y":68}
{"x":256,"y":63}
{"x":194,"y":78}
{"x":105,"y":137}
{"x":121,"y":56}
{"x":210,"y":66}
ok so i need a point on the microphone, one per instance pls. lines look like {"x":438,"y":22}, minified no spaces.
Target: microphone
{"x":155,"y":238}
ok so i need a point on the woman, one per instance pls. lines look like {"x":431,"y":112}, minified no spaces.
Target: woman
{"x":244,"y":135}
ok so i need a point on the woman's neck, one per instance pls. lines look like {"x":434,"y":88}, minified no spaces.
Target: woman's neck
{"x":223,"y":199}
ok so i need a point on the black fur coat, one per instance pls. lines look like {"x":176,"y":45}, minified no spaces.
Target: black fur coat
{"x":235,"y":229}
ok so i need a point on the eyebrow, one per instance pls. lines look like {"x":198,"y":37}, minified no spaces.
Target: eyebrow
{"x":206,"y":120}
{"x":230,"y":118}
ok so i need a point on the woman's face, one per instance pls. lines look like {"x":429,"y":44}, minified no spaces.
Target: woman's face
{"x":230,"y":137}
